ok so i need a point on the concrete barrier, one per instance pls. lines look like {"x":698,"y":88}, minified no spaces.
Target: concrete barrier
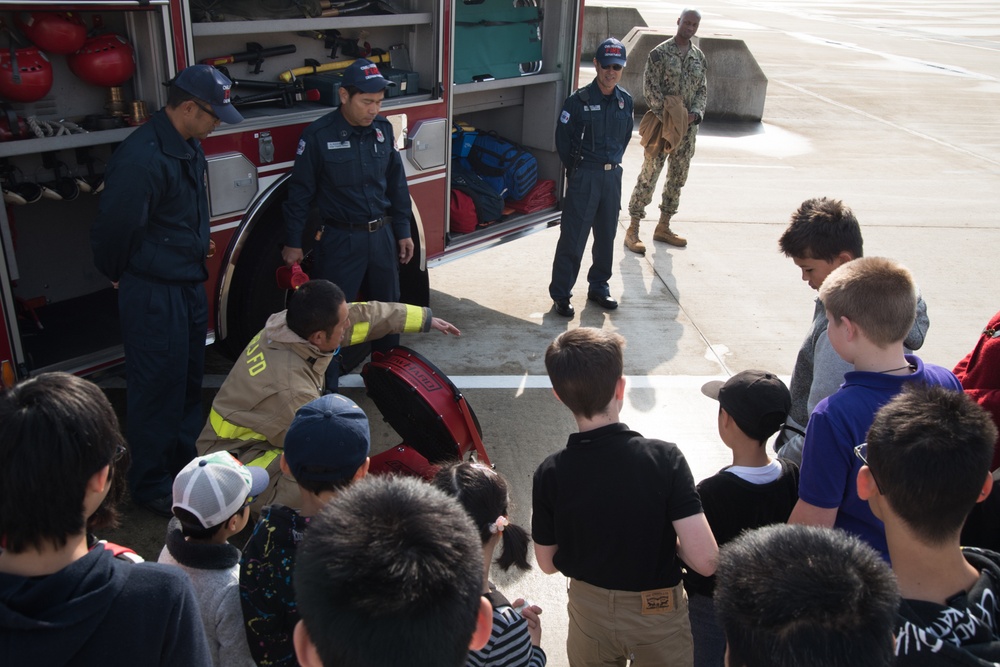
{"x":638,"y":43}
{"x":736,"y":84}
{"x":600,"y":22}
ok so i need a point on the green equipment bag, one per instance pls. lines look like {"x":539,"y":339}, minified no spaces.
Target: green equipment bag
{"x":495,"y":40}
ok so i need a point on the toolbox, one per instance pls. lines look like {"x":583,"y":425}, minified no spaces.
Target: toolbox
{"x":407,"y":82}
{"x":328,"y":86}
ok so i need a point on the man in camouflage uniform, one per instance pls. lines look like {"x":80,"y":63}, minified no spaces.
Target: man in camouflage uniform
{"x":675,"y":67}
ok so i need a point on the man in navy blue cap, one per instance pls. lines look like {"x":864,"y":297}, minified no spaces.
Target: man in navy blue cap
{"x":348,"y":165}
{"x":593,"y":130}
{"x":151,"y":238}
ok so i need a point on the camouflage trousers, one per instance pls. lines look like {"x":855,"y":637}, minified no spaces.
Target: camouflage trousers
{"x":677,"y":173}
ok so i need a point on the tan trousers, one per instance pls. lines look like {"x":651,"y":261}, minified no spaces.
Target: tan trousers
{"x":609,"y":628}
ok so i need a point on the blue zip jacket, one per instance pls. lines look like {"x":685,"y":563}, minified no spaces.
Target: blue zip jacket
{"x":153,"y":217}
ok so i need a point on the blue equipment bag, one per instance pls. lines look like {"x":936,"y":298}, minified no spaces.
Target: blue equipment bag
{"x":503,"y":164}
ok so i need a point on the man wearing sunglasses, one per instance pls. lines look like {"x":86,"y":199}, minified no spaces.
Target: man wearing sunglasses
{"x":675,"y":68}
{"x":593,"y":130}
{"x":151,"y":239}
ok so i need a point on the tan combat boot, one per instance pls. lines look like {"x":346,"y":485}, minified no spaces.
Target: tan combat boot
{"x":663,"y":233}
{"x":632,"y":241}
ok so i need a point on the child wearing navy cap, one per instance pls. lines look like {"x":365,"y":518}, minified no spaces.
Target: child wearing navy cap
{"x":326,"y":448}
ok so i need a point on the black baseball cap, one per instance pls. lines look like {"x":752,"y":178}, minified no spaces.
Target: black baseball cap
{"x":757,"y":400}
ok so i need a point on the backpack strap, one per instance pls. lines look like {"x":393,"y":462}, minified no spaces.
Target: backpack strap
{"x":120,"y":552}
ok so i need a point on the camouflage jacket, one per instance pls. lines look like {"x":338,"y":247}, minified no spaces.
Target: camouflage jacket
{"x":670,"y":73}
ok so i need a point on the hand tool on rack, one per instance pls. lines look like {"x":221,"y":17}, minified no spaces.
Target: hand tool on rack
{"x":254,"y":56}
{"x":397,"y":58}
{"x":285,"y":95}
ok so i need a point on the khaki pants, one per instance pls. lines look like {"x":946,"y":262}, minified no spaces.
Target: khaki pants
{"x":609,"y":628}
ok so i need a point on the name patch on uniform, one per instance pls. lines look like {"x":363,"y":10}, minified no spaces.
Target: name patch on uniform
{"x":593,"y":107}
{"x":334,"y":145}
{"x":302,"y":147}
{"x":564,"y":117}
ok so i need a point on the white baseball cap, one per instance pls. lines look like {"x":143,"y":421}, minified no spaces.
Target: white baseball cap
{"x":214,"y":487}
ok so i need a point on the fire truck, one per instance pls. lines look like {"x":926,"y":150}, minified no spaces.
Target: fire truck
{"x":76,"y":78}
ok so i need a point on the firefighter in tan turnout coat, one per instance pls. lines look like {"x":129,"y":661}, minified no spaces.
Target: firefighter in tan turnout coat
{"x":283,"y":367}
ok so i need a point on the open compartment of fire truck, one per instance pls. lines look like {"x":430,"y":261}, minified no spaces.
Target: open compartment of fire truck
{"x":59,"y":313}
{"x":54,"y":143}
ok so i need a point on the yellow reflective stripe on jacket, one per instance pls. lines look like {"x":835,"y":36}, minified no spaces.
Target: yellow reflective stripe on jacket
{"x":414,"y":319}
{"x":230,"y":431}
{"x":265,"y":459}
{"x":359,"y":333}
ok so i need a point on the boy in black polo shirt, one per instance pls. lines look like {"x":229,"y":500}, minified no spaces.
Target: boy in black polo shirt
{"x":613,"y":512}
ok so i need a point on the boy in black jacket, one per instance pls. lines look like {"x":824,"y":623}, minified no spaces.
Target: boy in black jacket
{"x":62,"y":602}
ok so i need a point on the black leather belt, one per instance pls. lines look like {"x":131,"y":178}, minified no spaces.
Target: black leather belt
{"x":598,"y":166}
{"x":370,"y":226}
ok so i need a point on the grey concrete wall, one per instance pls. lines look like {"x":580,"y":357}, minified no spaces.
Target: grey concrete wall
{"x":736,"y":84}
{"x":600,"y":22}
{"x":638,"y":43}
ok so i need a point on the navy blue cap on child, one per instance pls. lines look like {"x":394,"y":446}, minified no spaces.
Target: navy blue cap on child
{"x":328,"y":440}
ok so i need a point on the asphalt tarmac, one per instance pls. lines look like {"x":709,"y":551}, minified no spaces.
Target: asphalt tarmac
{"x":890,"y":106}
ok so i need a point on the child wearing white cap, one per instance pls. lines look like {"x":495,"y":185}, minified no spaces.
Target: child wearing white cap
{"x":212,"y":496}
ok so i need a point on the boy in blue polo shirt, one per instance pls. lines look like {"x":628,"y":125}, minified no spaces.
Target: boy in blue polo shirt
{"x":870,"y":304}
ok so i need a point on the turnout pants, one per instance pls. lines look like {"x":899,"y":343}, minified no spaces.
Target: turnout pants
{"x":609,"y":628}
{"x":163,"y":329}
{"x":592,"y":201}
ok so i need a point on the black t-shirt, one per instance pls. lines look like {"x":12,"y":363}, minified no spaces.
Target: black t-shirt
{"x":733,"y":505}
{"x":608,"y":501}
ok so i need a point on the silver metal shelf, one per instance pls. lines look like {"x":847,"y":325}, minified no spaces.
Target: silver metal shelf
{"x":320,"y":23}
{"x":64,"y":142}
{"x":513,"y":82}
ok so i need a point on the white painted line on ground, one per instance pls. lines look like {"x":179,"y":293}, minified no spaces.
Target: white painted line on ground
{"x":516,"y":382}
{"x":521,"y":382}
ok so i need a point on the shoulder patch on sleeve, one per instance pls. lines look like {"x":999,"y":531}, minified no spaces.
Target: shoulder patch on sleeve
{"x":564,"y":117}
{"x":302,"y":147}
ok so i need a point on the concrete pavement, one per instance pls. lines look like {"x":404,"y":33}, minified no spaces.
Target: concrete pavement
{"x":890,"y":106}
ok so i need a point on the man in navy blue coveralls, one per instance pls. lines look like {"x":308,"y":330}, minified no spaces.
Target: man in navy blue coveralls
{"x":593,"y":130}
{"x":348,"y":164}
{"x":151,"y":238}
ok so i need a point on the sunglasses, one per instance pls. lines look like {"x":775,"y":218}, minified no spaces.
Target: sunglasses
{"x":207,"y":110}
{"x":616,"y":68}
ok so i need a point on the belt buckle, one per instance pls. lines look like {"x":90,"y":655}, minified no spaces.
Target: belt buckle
{"x":609,"y":167}
{"x":373,"y":225}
